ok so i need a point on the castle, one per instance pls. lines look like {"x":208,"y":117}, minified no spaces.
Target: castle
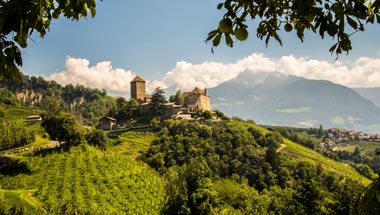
{"x":196,"y":100}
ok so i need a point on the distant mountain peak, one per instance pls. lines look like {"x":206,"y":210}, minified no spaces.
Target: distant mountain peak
{"x":281,"y":99}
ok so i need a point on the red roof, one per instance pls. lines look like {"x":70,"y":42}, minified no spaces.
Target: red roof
{"x":138,"y":79}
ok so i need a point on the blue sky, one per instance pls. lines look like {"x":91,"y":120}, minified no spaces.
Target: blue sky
{"x":156,"y":39}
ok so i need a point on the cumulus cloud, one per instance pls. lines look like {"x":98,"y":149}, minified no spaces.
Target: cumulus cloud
{"x":363,"y":72}
{"x":101,"y":75}
{"x":186,"y":75}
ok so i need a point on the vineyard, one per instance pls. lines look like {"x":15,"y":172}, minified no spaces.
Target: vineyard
{"x":87,"y":181}
{"x":18,"y":113}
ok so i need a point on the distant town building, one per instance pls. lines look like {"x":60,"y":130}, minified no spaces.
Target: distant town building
{"x":107,"y":123}
{"x":33,"y":118}
{"x":182,"y":116}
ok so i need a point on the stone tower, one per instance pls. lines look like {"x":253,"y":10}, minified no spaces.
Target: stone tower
{"x":138,"y":89}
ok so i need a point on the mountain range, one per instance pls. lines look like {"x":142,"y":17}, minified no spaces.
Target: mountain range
{"x":372,"y":94}
{"x":273,"y":98}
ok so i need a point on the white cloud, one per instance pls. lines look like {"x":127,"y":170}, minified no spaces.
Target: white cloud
{"x":210,"y":74}
{"x":363,"y":72}
{"x":101,"y":75}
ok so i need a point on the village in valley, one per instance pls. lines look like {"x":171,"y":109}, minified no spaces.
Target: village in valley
{"x":343,"y":136}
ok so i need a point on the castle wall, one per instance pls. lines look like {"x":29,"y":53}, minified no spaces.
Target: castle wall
{"x":204,"y":103}
{"x":198,"y":102}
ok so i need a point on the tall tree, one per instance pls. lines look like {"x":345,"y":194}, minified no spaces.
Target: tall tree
{"x":177,"y":98}
{"x":63,"y":127}
{"x":338,"y":19}
{"x":158,"y":98}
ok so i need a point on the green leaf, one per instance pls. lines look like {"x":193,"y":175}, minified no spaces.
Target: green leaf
{"x":300,"y":33}
{"x":332,"y":29}
{"x":332,"y":49}
{"x":352,"y":22}
{"x":220,"y":5}
{"x":93,"y":11}
{"x":56,"y":13}
{"x":216,"y":40}
{"x":275,"y":35}
{"x":267,"y":40}
{"x":323,"y":28}
{"x":229,"y":41}
{"x":211,"y":35}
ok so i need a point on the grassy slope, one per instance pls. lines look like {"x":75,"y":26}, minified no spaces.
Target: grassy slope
{"x":131,"y":143}
{"x":296,"y":152}
{"x":85,"y":179}
{"x":364,"y":146}
{"x":17,"y":198}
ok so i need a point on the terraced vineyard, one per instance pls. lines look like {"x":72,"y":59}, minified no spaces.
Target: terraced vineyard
{"x":15,"y":113}
{"x":88,"y":181}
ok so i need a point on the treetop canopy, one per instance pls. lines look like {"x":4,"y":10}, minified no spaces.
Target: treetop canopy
{"x":338,"y":19}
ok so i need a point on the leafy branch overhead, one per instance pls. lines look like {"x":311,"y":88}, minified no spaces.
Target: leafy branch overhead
{"x":20,"y":18}
{"x":338,"y":19}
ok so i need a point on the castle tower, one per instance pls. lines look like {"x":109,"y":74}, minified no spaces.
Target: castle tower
{"x":138,"y":89}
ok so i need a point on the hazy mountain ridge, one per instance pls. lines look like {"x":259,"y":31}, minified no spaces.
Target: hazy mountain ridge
{"x":372,"y":94}
{"x":279,"y":99}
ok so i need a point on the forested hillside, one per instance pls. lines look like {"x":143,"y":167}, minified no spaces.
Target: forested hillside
{"x":206,"y":166}
{"x":87,"y":104}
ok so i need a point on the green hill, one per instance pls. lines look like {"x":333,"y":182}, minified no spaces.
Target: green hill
{"x":221,"y":167}
{"x":295,"y":153}
{"x":282,"y":176}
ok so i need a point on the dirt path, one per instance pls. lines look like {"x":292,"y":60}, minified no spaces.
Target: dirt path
{"x":51,"y":145}
{"x":282,"y":146}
